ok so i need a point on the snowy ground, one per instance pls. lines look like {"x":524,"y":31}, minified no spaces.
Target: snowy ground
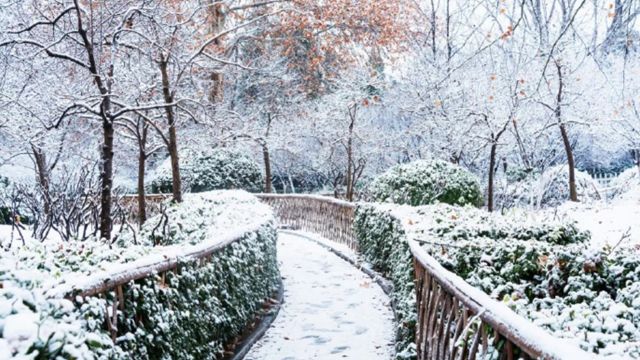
{"x":331,"y":309}
{"x":609,"y":221}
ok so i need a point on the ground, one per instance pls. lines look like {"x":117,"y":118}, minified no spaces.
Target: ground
{"x":609,"y":221}
{"x":331,"y":310}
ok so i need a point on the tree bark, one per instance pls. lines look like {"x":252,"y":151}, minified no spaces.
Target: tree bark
{"x":40,"y":159}
{"x":176,"y":184}
{"x":268,"y":184}
{"x":492,"y":171}
{"x":573,"y":193}
{"x":107,"y":179}
{"x":142,"y":159}
{"x":217,"y":26}
{"x":350,"y":164}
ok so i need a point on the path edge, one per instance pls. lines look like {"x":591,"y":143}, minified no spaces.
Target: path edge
{"x":258,"y":332}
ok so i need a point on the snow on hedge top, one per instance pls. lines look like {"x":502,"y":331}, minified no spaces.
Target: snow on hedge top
{"x":426,"y":182}
{"x":201,"y":220}
{"x":33,"y":317}
{"x":465,"y":223}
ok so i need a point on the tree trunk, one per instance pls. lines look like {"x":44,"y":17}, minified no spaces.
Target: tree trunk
{"x":142,"y":159}
{"x":350,"y":164}
{"x":176,"y":184}
{"x":573,"y":193}
{"x":43,"y":177}
{"x":107,"y":179}
{"x":268,"y":185}
{"x":492,"y":165}
{"x":216,"y":12}
{"x":142,"y":203}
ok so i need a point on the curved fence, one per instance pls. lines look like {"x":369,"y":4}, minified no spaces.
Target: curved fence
{"x":181,"y":293}
{"x":329,"y":217}
{"x":455,"y":320}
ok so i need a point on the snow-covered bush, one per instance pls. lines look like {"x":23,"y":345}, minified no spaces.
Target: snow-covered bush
{"x":626,"y":184}
{"x":425,"y":182}
{"x":191,"y":313}
{"x":543,"y":269}
{"x":552,"y":189}
{"x":549,"y":189}
{"x":214,"y":170}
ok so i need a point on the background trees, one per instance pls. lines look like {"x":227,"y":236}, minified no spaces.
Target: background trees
{"x":323,"y":95}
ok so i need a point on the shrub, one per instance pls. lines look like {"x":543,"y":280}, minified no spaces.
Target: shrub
{"x":382,"y":231}
{"x":552,"y":189}
{"x":426,"y":182}
{"x":187,"y":314}
{"x":544,"y":271}
{"x":627,"y":184}
{"x":220,"y":169}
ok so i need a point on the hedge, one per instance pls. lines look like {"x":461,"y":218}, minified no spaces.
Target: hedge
{"x":189,"y":314}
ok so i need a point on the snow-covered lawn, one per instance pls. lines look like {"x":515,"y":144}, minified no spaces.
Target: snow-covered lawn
{"x":331,"y":309}
{"x":608,"y":221}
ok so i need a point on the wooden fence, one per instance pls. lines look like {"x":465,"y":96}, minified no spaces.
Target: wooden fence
{"x":455,"y":320}
{"x":331,"y":218}
{"x":112,"y":284}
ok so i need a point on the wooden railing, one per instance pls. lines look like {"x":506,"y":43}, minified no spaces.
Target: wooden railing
{"x":331,"y":218}
{"x":455,"y":319}
{"x":459,"y":321}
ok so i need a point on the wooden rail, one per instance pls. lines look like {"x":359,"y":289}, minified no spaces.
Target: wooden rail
{"x":459,"y":321}
{"x":325,"y":216}
{"x":455,"y":320}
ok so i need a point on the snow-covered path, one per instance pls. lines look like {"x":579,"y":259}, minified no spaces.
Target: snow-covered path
{"x":331,"y":309}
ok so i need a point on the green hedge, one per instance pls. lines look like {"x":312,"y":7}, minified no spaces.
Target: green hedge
{"x":191,"y":314}
{"x":382,"y":242}
{"x":500,"y":255}
{"x":426,"y":182}
{"x":218,"y":169}
{"x":201,"y":308}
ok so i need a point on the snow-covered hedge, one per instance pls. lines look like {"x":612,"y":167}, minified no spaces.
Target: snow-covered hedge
{"x":425,"y":182}
{"x":188,"y":314}
{"x":382,"y":242}
{"x":537,"y":267}
{"x":214,"y":170}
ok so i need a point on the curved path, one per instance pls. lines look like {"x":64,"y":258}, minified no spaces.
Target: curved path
{"x":331,"y":309}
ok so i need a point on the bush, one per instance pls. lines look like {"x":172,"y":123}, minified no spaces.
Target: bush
{"x":547,"y":189}
{"x":217,"y":170}
{"x":544,"y":271}
{"x":552,"y":189}
{"x":425,"y":182}
{"x":188,"y":314}
{"x":627,"y":184}
{"x":382,"y":231}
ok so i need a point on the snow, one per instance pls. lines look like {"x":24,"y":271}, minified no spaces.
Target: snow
{"x":608,"y":221}
{"x":331,"y":309}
